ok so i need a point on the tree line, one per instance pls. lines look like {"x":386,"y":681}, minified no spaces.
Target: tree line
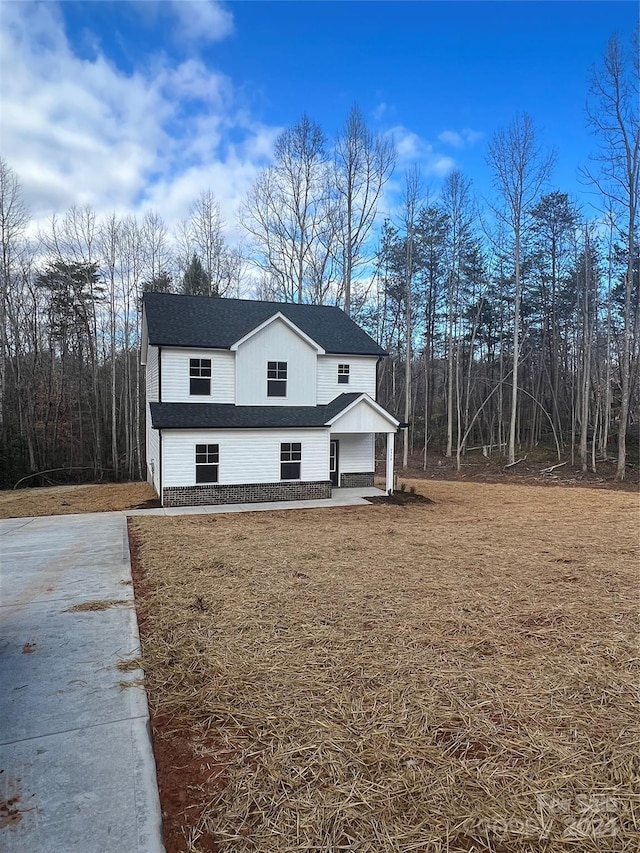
{"x":510,"y":322}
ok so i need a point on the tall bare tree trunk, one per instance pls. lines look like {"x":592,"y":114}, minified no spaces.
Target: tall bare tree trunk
{"x":614,"y":118}
{"x":520,"y":170}
{"x":412,"y":194}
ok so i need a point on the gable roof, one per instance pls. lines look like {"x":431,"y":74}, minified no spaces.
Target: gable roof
{"x":279,"y":317}
{"x":203,"y":321}
{"x":361,"y":401}
{"x":228,"y":416}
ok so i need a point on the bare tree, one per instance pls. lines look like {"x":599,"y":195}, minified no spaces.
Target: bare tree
{"x":157,"y":255}
{"x":109,"y":244}
{"x":613,"y":117}
{"x":13,"y":220}
{"x":520,"y":169}
{"x":287,"y":209}
{"x":456,"y":204}
{"x":363,"y":163}
{"x":411,"y":201}
{"x":207,"y":239}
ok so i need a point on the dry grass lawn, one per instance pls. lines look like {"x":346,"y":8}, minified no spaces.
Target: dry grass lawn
{"x":454,"y":677}
{"x":63,"y":500}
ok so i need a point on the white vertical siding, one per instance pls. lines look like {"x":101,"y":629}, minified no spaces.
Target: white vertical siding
{"x":175,"y":375}
{"x":356,"y":453}
{"x":246,"y":456}
{"x":362,"y":376}
{"x":276,"y":342}
{"x":152,"y":374}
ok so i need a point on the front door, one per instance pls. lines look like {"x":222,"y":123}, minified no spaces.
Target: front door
{"x":333,"y":462}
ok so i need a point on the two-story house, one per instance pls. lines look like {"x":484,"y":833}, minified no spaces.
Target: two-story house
{"x":254,"y":401}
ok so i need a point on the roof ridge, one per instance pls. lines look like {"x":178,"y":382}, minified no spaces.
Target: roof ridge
{"x":154,"y":293}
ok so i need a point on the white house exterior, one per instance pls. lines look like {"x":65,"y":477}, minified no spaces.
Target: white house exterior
{"x":254,"y":401}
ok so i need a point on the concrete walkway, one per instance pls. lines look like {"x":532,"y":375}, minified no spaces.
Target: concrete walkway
{"x":341,"y":497}
{"x":77,"y":771}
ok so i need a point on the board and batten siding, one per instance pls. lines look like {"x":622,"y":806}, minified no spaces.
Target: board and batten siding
{"x":246,"y":456}
{"x":276,"y":342}
{"x":175,"y":375}
{"x":356,"y":452}
{"x":362,"y":418}
{"x":362,"y":376}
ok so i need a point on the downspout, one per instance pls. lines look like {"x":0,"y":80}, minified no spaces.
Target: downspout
{"x":161,"y":496}
{"x":160,"y":468}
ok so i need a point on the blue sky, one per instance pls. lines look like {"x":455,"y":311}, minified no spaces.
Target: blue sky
{"x":129,"y":105}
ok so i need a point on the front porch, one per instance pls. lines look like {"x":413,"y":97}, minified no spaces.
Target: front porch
{"x":352,"y":444}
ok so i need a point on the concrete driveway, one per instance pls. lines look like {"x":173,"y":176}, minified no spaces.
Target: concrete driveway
{"x":76,"y":763}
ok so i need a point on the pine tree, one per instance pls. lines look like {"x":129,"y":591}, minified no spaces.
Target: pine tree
{"x":195,"y":281}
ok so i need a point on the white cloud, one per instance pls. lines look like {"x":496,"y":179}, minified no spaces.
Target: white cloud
{"x":460,"y":138}
{"x":81,"y":131}
{"x":412,"y":148}
{"x":202,"y":20}
{"x":380,"y":110}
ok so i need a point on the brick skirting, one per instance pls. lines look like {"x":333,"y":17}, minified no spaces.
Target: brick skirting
{"x":211,"y":493}
{"x":356,"y":481}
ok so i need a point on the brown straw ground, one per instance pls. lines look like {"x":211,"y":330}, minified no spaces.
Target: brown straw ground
{"x":460,"y":676}
{"x":64,"y":500}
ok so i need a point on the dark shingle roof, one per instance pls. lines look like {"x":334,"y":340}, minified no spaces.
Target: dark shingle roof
{"x":228,"y":416}
{"x":202,"y":321}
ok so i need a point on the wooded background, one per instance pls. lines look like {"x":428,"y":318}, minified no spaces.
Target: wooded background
{"x":510,"y":322}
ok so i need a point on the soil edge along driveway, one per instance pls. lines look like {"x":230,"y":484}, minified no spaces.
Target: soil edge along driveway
{"x":76,"y":764}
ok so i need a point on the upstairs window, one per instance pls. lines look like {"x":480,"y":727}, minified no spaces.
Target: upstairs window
{"x":343,"y":374}
{"x":207,"y":458}
{"x":290,"y":458}
{"x":276,"y":379}
{"x":199,"y":376}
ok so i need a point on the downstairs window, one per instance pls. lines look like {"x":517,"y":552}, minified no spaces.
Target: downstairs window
{"x":207,"y":459}
{"x":290,"y":459}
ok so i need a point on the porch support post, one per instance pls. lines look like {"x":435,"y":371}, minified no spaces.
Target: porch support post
{"x":389,"y":469}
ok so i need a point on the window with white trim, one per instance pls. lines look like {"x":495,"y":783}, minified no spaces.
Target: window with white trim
{"x":199,"y":376}
{"x":207,"y":460}
{"x":343,"y":374}
{"x":290,"y":459}
{"x":276,"y":379}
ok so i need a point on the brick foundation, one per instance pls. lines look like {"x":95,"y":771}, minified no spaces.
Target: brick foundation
{"x":212,"y":493}
{"x":356,"y":481}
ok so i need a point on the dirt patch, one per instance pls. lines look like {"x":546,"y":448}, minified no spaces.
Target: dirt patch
{"x":65,"y":500}
{"x":87,"y":606}
{"x":10,"y":812}
{"x":152,"y":503}
{"x":401,"y":498}
{"x":12,"y":804}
